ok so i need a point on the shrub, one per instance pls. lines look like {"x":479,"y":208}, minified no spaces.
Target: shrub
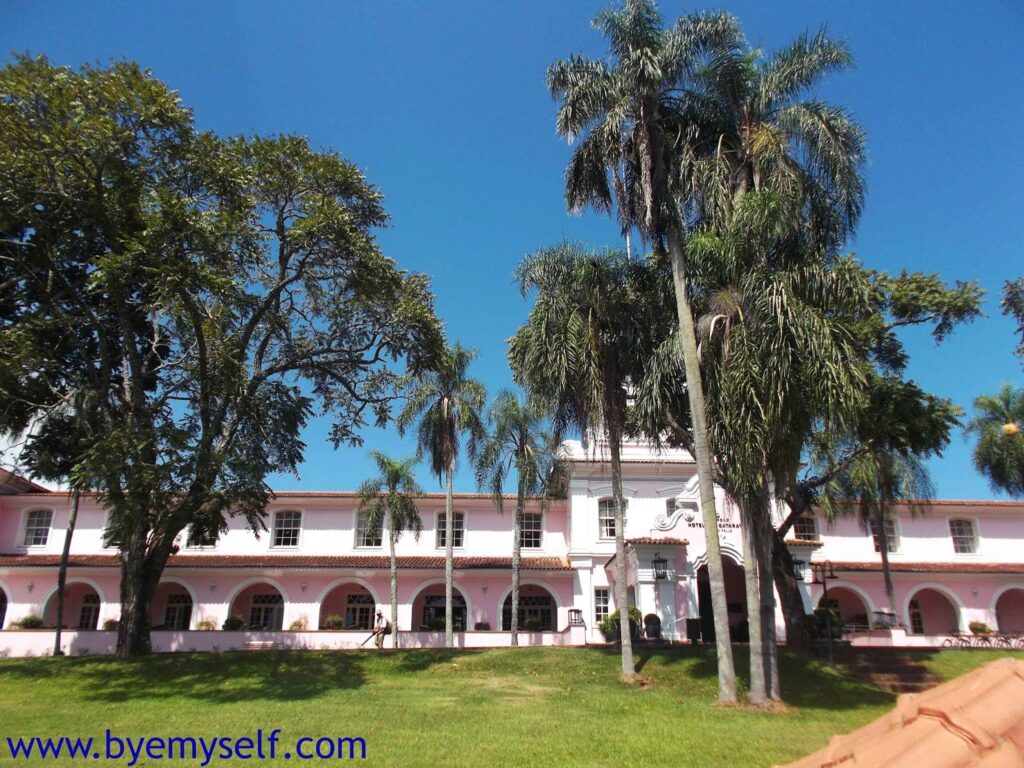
{"x":979,"y":628}
{"x":609,"y":627}
{"x":820,"y":620}
{"x":436,"y":625}
{"x":299,"y":625}
{"x":110,"y":625}
{"x":482,"y":626}
{"x":333,"y":621}
{"x":31,"y":622}
{"x":533,"y":625}
{"x":206,"y":625}
{"x":233,"y":623}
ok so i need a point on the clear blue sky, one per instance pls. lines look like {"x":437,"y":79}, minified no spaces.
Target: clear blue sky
{"x":444,"y":107}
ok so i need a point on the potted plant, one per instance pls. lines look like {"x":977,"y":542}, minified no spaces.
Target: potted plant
{"x":979,"y":628}
{"x":333,"y":621}
{"x":233,"y":623}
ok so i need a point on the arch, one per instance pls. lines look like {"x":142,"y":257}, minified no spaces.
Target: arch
{"x":1011,"y":619}
{"x":256,"y":580}
{"x":505,"y":604}
{"x":348,"y":580}
{"x":727,"y":552}
{"x":532,"y":582}
{"x":358,"y":613}
{"x":735,"y":595}
{"x":266,"y":615}
{"x":75,"y":616}
{"x":192,"y":596}
{"x":433,"y":583}
{"x":955,"y":604}
{"x":846,"y":609}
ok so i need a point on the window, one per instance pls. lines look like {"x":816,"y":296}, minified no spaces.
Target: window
{"x":916,"y":618}
{"x":433,"y":612}
{"x":458,"y":528}
{"x":359,"y":611}
{"x":806,"y":528}
{"x":600,"y":604}
{"x":37,"y":527}
{"x":195,"y":540}
{"x":800,"y":569}
{"x":606,"y":517}
{"x":964,"y":540}
{"x":286,"y":529}
{"x":363,"y":537}
{"x":536,"y":613}
{"x":890,"y":536}
{"x":532,"y":533}
{"x":178,"y":614}
{"x":89,"y":618}
{"x":267,"y":611}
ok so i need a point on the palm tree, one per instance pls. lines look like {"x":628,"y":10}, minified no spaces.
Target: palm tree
{"x":594,"y":321}
{"x":389,"y":500}
{"x":519,"y":441}
{"x":999,"y":454}
{"x":633,"y":117}
{"x":448,"y":405}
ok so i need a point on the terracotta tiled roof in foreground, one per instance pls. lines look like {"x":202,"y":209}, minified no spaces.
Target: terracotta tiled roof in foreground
{"x":933,"y":567}
{"x":304,"y":562}
{"x":975,"y":720}
{"x":804,"y":543}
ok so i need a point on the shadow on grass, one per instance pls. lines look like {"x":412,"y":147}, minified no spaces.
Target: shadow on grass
{"x":806,"y":682}
{"x":211,"y":677}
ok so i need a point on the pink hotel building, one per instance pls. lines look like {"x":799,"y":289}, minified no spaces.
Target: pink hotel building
{"x":961,"y":561}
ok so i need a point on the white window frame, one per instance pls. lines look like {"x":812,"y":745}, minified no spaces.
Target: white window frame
{"x":23,"y":531}
{"x":974,"y":532}
{"x":439,"y":529}
{"x":601,"y":528}
{"x":807,"y":516}
{"x":361,"y":532}
{"x":197,"y":547}
{"x":893,"y":550}
{"x":598,"y":616}
{"x":540,"y":540}
{"x":273,"y":530}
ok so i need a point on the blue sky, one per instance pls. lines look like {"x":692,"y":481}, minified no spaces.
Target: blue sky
{"x":443,"y":105}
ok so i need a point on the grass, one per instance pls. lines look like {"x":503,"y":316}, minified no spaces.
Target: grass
{"x":533,"y":706}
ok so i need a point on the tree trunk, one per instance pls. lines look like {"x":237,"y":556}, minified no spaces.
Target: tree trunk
{"x":702,"y":454}
{"x":621,"y":595}
{"x":62,"y":571}
{"x":140,"y":574}
{"x":517,"y":551}
{"x":786,"y":582}
{"x":449,"y":558}
{"x":752,"y":578}
{"x":394,"y":588}
{"x":766,"y":583}
{"x":883,"y":550}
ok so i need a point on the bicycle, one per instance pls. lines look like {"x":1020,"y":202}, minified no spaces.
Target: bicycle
{"x":957,"y":640}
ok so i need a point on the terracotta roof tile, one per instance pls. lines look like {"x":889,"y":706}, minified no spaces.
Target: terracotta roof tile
{"x":667,"y":541}
{"x":977,"y":719}
{"x":428,"y":562}
{"x":804,"y":543}
{"x":945,"y":567}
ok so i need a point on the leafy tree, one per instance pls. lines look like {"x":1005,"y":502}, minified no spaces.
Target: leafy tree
{"x":389,"y":500}
{"x":447,"y":404}
{"x":595,"y":319}
{"x":208,"y":294}
{"x":999,"y":454}
{"x":1013,"y":306}
{"x":519,"y":441}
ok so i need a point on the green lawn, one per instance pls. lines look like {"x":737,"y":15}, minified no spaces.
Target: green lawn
{"x":430,"y":708}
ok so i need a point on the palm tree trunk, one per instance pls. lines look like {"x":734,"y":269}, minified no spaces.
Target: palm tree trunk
{"x":62,"y":571}
{"x":621,"y":596}
{"x":702,"y":454}
{"x":766,"y":581}
{"x":449,"y":558}
{"x":788,"y":586}
{"x":883,"y":550}
{"x":517,"y":551}
{"x":751,"y":575}
{"x":394,"y":589}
